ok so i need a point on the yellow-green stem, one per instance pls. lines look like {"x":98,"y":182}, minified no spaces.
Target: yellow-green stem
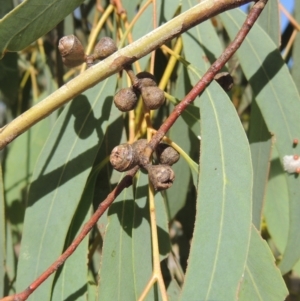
{"x":114,"y":63}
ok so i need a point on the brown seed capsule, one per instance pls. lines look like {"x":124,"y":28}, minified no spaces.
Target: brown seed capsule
{"x":166,"y":154}
{"x":125,"y":156}
{"x":161,"y":176}
{"x":225,"y":80}
{"x":146,"y":79}
{"x":122,"y":157}
{"x":72,"y":51}
{"x":104,"y":48}
{"x":153,"y":97}
{"x":139,"y":146}
{"x":126,"y":99}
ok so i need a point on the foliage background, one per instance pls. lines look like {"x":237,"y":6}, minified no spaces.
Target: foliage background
{"x":63,"y":159}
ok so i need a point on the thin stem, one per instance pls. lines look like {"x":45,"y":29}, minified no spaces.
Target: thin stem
{"x":154,"y":17}
{"x":175,"y":146}
{"x":130,"y":38}
{"x":145,"y":292}
{"x":171,"y":64}
{"x":95,"y":32}
{"x":131,"y":120}
{"x":290,"y":17}
{"x":290,"y":44}
{"x":137,"y":16}
{"x":156,"y":272}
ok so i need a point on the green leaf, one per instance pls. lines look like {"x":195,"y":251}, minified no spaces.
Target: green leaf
{"x":71,"y":283}
{"x":10,"y":265}
{"x":203,"y":40}
{"x":276,"y":209}
{"x":144,"y":25}
{"x":19,"y":165}
{"x":168,"y":11}
{"x":116,"y":274}
{"x":262,"y":280}
{"x":259,"y":136}
{"x":131,"y":6}
{"x":269,"y":21}
{"x":279,"y":103}
{"x":260,"y":145}
{"x":223,"y":219}
{"x":185,"y":136}
{"x":9,"y":78}
{"x":127,"y":255}
{"x":5,"y":7}
{"x":141,"y":239}
{"x":35,"y":18}
{"x":92,"y":288}
{"x":21,"y":159}
{"x":59,"y":180}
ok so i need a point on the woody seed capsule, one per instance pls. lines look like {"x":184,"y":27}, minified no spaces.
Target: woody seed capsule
{"x":72,"y":51}
{"x":126,"y":99}
{"x":125,"y":156}
{"x":161,"y":176}
{"x":104,"y":48}
{"x":153,"y":97}
{"x":166,"y":154}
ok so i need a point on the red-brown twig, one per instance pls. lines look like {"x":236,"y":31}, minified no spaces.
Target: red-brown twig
{"x":127,"y":180}
{"x":210,"y":74}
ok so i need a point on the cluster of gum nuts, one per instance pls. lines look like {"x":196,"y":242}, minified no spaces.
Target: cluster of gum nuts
{"x":126,"y":156}
{"x":73,"y":55}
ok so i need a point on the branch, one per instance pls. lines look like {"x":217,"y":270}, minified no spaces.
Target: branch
{"x":210,"y":74}
{"x":113,"y":64}
{"x":127,"y":180}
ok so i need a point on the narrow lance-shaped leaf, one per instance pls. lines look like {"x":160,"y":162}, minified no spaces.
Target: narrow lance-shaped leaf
{"x":30,"y":20}
{"x":143,"y":25}
{"x":260,"y":145}
{"x":223,"y":220}
{"x":269,"y":21}
{"x":21,"y":159}
{"x":279,"y":103}
{"x":59,"y":180}
{"x":198,"y":40}
{"x":182,"y":134}
{"x":262,"y":279}
{"x":10,"y":264}
{"x":259,"y":135}
{"x":141,"y":238}
{"x":116,"y":274}
{"x":125,"y":274}
{"x":276,"y":211}
{"x":71,"y":282}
